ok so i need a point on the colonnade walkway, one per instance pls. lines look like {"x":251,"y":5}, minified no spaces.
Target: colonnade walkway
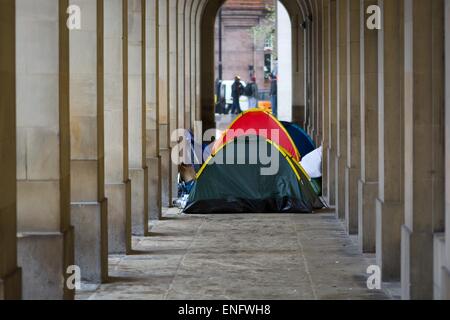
{"x":241,"y":257}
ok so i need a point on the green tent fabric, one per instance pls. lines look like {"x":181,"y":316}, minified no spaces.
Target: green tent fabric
{"x":316,"y":183}
{"x":239,"y":187}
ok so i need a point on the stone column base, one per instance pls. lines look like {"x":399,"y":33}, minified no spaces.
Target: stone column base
{"x":139,"y":201}
{"x":154,"y":188}
{"x":389,"y":220}
{"x":446,"y":283}
{"x":119,"y":217}
{"x":11,"y":286}
{"x":367,"y":194}
{"x":166,"y":178}
{"x":325,"y":176}
{"x":340,"y":187}
{"x":405,"y":263}
{"x":439,"y":270}
{"x":44,"y":258}
{"x":352,"y":176}
{"x":416,"y":265}
{"x":174,"y":184}
{"x":331,"y":177}
{"x":90,"y":221}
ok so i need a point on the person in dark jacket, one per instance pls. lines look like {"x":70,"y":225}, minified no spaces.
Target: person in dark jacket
{"x":237,"y":90}
{"x":273,"y":94}
{"x":251,"y":91}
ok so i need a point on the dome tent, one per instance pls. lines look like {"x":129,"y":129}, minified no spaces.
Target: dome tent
{"x":239,"y":186}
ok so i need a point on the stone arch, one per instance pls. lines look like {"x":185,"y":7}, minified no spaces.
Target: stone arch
{"x":298,"y":12}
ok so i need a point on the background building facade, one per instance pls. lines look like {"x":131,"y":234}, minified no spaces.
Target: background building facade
{"x":242,"y":40}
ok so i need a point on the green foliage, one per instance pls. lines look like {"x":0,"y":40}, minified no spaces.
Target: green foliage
{"x":267,"y":28}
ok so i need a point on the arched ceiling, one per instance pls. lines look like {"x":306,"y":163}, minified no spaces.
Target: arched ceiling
{"x":201,"y":15}
{"x":197,"y":9}
{"x":305,"y":7}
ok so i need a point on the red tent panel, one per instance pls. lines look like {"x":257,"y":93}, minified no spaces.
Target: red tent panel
{"x":258,"y":122}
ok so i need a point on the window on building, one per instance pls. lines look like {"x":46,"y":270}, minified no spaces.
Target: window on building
{"x":267,"y":65}
{"x":268,"y":43}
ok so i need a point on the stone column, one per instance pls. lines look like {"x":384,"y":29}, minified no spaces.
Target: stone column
{"x":309,"y":76}
{"x":341,"y":159}
{"x":306,"y":72}
{"x":303,"y":117}
{"x":441,"y":254}
{"x":152,"y":96}
{"x":298,"y":70}
{"x":314,"y":62}
{"x":446,"y":269}
{"x":332,"y":104}
{"x":319,"y":53}
{"x":202,"y":64}
{"x":206,"y":116}
{"x":181,"y":38}
{"x":352,"y":170}
{"x":173,"y":92}
{"x":137,"y":119}
{"x":10,"y":274}
{"x":88,"y":202}
{"x":118,"y":184}
{"x":164,"y":112}
{"x":187,"y":65}
{"x":197,"y":108}
{"x":204,"y":111}
{"x":46,"y":248}
{"x":368,"y":184}
{"x":191,"y":62}
{"x":389,"y":205}
{"x":313,"y":73}
{"x":424,"y":145}
{"x":326,"y":96}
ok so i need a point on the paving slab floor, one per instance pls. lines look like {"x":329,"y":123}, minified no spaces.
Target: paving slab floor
{"x":271,"y":256}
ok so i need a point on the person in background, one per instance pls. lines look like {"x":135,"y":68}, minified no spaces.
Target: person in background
{"x":273,"y":94}
{"x":251,"y":91}
{"x":237,"y":90}
{"x":218,"y":99}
